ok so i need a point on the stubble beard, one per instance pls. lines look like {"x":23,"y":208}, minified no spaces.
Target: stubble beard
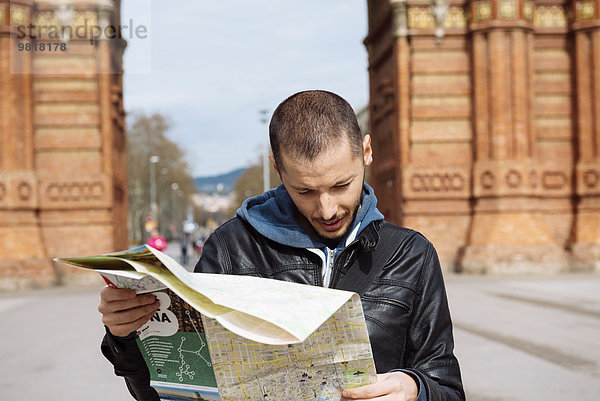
{"x":333,"y":241}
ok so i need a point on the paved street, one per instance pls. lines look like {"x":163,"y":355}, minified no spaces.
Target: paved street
{"x":533,"y":338}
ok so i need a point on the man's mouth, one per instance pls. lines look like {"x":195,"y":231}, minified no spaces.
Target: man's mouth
{"x":332,"y":225}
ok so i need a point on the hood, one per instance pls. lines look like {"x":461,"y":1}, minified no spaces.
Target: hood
{"x":273,"y":214}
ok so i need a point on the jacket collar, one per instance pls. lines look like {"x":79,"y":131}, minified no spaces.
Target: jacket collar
{"x":369,"y":236}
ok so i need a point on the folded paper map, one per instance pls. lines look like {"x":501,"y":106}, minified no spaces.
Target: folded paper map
{"x":256,"y":338}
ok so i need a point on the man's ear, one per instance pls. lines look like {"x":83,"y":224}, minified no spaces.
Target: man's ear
{"x":367,"y":150}
{"x":272,"y":158}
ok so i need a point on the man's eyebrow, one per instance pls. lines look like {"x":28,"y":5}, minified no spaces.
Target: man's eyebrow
{"x":299,"y":188}
{"x":345,"y":180}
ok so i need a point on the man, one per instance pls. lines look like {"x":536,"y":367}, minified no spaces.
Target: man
{"x":311,"y":230}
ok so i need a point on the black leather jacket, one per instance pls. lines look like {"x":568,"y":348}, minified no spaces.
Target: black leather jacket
{"x":405,"y":307}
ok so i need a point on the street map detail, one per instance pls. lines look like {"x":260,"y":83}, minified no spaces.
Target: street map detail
{"x":337,"y":355}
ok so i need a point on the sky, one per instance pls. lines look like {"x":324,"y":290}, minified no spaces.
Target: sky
{"x":210,"y":66}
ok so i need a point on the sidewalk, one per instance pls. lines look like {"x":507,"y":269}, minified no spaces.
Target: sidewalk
{"x":174,"y":251}
{"x":533,"y":338}
{"x":517,"y":339}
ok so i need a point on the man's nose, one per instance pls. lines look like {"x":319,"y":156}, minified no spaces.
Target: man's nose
{"x":327,"y":206}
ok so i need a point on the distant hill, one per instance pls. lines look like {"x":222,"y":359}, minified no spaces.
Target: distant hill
{"x":209,"y":184}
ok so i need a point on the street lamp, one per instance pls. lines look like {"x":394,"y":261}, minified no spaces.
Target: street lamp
{"x":174,"y":188}
{"x":153,"y":207}
{"x":266,"y":176}
{"x":160,"y":195}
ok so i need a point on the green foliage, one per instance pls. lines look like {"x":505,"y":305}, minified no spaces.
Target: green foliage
{"x":146,"y":137}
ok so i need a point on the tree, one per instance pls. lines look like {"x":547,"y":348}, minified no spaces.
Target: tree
{"x":147,"y":137}
{"x":250,"y":183}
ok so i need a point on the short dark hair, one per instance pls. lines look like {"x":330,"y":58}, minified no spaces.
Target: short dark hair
{"x":307,"y":123}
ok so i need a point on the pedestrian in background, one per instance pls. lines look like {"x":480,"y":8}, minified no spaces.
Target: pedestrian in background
{"x":185,"y":240}
{"x":156,"y":241}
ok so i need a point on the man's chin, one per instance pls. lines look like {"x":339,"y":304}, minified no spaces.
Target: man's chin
{"x":332,"y":236}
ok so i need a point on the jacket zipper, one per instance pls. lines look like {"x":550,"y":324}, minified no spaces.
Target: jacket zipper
{"x":335,"y":263}
{"x":329,"y":267}
{"x":395,"y":302}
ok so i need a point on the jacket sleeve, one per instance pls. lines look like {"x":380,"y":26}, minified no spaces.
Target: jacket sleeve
{"x":214,"y":259}
{"x":430,"y":334}
{"x":124,"y":354}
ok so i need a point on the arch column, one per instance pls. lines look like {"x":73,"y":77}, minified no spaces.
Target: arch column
{"x":586,"y":30}
{"x":21,"y":248}
{"x":508,"y":230}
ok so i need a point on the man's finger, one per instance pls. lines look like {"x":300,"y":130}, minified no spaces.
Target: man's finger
{"x":110,"y":294}
{"x":367,"y":392}
{"x":129,"y":315}
{"x":122,"y":330}
{"x":140,"y":300}
{"x":124,"y":304}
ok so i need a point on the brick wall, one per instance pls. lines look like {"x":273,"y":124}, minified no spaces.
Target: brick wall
{"x":62,"y":172}
{"x":492,"y":123}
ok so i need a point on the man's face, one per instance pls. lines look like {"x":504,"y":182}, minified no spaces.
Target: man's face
{"x":327,"y":190}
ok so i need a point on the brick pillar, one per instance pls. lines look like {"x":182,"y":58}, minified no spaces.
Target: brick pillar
{"x":387,"y":48}
{"x":80,"y":168}
{"x":22,"y":251}
{"x":420,"y":113}
{"x":435,"y":138}
{"x":512,"y":190}
{"x":586,"y":29}
{"x":112,"y":121}
{"x":63,"y":178}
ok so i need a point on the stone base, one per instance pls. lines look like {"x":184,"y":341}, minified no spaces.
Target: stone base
{"x":447,"y":233}
{"x":69,"y":275}
{"x":27,"y":274}
{"x":35,"y":273}
{"x":586,"y":257}
{"x":514,"y":259}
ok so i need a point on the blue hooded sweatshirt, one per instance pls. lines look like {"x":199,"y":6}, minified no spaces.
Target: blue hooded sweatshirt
{"x":273,"y":214}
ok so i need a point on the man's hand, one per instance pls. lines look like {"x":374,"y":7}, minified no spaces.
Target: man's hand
{"x":392,"y":386}
{"x":123,"y":311}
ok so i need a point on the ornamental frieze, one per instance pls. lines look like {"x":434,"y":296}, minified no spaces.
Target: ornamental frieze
{"x":84,"y":18}
{"x":18,"y":189}
{"x":521,"y":178}
{"x":65,"y":24}
{"x":550,"y":16}
{"x":422,"y":18}
{"x":482,"y":12}
{"x":588,"y":179}
{"x":586,"y":10}
{"x":18,"y":15}
{"x":443,"y":183}
{"x":507,"y":9}
{"x":89,"y":191}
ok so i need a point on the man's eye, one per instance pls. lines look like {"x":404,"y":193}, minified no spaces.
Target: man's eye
{"x":343,"y":185}
{"x":307,"y":192}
